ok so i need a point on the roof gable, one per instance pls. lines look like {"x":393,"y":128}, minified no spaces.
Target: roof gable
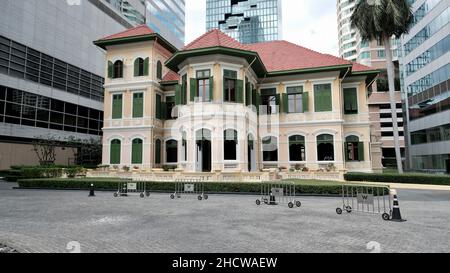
{"x":138,"y":34}
{"x":215,"y":38}
{"x":134,"y":32}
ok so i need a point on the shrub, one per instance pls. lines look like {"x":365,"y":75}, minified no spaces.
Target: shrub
{"x":399,"y":178}
{"x":74,"y":172}
{"x":223,"y":187}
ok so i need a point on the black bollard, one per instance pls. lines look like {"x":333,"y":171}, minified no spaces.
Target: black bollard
{"x":272,"y":200}
{"x":92,"y":192}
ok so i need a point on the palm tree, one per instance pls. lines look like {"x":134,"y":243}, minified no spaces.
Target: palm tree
{"x":383,"y":19}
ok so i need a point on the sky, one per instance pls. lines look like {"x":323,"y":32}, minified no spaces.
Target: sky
{"x":309,"y":23}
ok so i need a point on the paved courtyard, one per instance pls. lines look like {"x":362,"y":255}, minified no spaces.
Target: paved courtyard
{"x":46,"y":221}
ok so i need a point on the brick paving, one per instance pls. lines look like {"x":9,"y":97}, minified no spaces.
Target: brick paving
{"x":46,"y":221}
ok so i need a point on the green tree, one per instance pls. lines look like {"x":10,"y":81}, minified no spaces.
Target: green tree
{"x":383,"y":19}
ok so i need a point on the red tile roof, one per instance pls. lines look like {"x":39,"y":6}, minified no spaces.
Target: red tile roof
{"x":357,"y":67}
{"x":215,"y":38}
{"x":283,"y":55}
{"x":171,"y":77}
{"x":141,"y":30}
{"x":276,"y":55}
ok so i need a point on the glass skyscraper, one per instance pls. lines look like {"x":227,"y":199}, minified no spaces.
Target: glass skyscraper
{"x":166,"y":17}
{"x":248,"y":21}
{"x":425,"y":67}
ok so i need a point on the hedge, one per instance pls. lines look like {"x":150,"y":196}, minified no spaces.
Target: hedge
{"x":211,"y":187}
{"x":399,"y":178}
{"x":29,"y":172}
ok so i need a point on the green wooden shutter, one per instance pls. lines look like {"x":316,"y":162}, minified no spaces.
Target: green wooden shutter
{"x":346,"y":151}
{"x":322,"y":100}
{"x":278,"y":101}
{"x":115,"y":152}
{"x":117,"y":107}
{"x":254,"y":97}
{"x":136,"y":67}
{"x":178,"y":94}
{"x":361,"y":151}
{"x":158,"y":106}
{"x":305,"y":102}
{"x":248,"y":94}
{"x":110,"y":69}
{"x":224,"y":89}
{"x":211,"y":89}
{"x":258,"y":102}
{"x":239,"y":91}
{"x":193,"y":89}
{"x":138,"y":105}
{"x":285,"y":99}
{"x":158,"y":151}
{"x":318,"y":100}
{"x":163,"y":110}
{"x":136,"y":152}
{"x":146,"y":66}
{"x":327,"y":100}
{"x":350,"y":101}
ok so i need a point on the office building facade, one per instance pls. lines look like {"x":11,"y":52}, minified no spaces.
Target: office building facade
{"x":51,"y":75}
{"x":425,"y":67}
{"x":248,"y":21}
{"x":373,"y":54}
{"x":166,"y":17}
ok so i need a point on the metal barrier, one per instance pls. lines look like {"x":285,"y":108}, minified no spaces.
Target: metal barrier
{"x":189,"y":188}
{"x":127,"y":188}
{"x":366,"y":199}
{"x":276,"y":194}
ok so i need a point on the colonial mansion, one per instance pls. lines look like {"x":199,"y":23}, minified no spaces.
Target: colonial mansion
{"x":219,"y":106}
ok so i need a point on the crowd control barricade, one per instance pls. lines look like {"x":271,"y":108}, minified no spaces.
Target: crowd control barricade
{"x":278,"y":194}
{"x":194,"y":188}
{"x":132,"y":188}
{"x":368,"y":199}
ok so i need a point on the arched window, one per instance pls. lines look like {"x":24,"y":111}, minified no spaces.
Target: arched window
{"x":136,"y":151}
{"x":270,"y":149}
{"x":139,"y":67}
{"x":159,"y":70}
{"x":118,"y":70}
{"x":354,"y":150}
{"x":158,"y":152}
{"x":114,"y":152}
{"x":230,"y":141}
{"x":172,"y":151}
{"x":297,"y":148}
{"x":325,"y":148}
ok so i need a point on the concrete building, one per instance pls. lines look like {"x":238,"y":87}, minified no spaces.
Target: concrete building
{"x":372,"y":53}
{"x":355,"y":49}
{"x":51,"y":75}
{"x":248,"y":21}
{"x":425,"y":68}
{"x":219,"y":108}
